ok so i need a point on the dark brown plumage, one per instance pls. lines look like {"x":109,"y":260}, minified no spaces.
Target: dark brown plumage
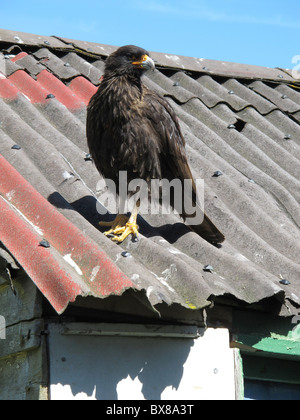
{"x":131,"y":128}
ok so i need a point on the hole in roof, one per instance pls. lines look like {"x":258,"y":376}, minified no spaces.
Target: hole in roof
{"x":240,"y":125}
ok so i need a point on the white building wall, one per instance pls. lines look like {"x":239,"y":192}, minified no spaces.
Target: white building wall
{"x":110,"y":367}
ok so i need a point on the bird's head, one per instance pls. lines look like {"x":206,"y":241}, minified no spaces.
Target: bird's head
{"x":129,"y":60}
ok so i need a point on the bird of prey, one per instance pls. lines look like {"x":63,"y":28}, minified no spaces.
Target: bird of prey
{"x":132,"y":128}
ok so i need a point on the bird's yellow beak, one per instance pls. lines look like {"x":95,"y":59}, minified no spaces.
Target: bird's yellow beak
{"x":145,"y":63}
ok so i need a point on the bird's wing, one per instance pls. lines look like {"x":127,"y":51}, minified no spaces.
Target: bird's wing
{"x":171,"y":145}
{"x":170,"y":141}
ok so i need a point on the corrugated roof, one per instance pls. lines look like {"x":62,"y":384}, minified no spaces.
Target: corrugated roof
{"x":237,"y":119}
{"x":27,"y":218}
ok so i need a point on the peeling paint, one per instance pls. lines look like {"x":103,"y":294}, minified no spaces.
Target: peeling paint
{"x":68,"y":259}
{"x":10,"y":196}
{"x":135,"y":277}
{"x":166,"y":276}
{"x":94,"y":273}
{"x":174,"y":251}
{"x":67,"y":175}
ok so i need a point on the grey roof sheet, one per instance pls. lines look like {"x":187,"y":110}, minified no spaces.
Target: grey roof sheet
{"x":255,"y":203}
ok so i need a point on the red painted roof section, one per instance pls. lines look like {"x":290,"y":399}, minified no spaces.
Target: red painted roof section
{"x":83,"y":89}
{"x":19,"y":56}
{"x":39,"y":263}
{"x":99,"y":275}
{"x":63,"y":94}
{"x":7,"y":89}
{"x":75,"y":96}
{"x":29,"y":87}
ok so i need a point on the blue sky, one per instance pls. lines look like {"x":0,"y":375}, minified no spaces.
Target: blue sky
{"x":261,"y":32}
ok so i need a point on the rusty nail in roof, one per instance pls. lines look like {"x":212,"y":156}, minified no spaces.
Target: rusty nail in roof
{"x":208,"y":268}
{"x":126,"y":254}
{"x":285,"y":282}
{"x":217,"y":173}
{"x":16,"y":147}
{"x":44,"y":244}
{"x":88,"y":157}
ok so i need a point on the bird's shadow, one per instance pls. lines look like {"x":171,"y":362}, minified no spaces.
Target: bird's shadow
{"x":87,"y":207}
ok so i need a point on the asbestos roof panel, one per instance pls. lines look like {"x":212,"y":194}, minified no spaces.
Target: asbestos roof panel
{"x":28,"y":62}
{"x":86,"y":69}
{"x":92,"y":49}
{"x":220,"y":68}
{"x":242,"y":91}
{"x":23,"y":38}
{"x":243,"y":128}
{"x":55,"y":65}
{"x":274,"y":96}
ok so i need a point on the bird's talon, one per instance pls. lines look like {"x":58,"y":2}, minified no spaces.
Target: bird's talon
{"x":128,"y":229}
{"x":109,"y":234}
{"x":121,"y":227}
{"x":119,"y":230}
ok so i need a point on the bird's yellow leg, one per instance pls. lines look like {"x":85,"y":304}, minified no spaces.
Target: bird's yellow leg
{"x":117,"y":225}
{"x":122,"y":227}
{"x":131,"y":227}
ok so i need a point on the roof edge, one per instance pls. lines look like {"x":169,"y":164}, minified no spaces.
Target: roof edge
{"x":202,"y":65}
{"x":171,"y":61}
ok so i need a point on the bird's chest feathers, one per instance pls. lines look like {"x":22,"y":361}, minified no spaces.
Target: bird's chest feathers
{"x":121,"y":103}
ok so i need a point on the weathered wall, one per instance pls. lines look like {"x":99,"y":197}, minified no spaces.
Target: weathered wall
{"x":23,"y":370}
{"x":23,"y":376}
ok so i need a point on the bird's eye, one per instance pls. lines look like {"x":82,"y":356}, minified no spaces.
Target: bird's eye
{"x":130,"y":56}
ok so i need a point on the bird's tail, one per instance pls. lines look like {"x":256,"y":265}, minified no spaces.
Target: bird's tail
{"x":194,"y":216}
{"x":206,"y":229}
